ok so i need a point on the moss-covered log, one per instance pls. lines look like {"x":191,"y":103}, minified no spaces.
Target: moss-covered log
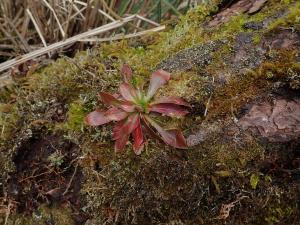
{"x":236,"y":62}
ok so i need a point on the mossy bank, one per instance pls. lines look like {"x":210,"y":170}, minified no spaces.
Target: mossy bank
{"x":227,"y":176}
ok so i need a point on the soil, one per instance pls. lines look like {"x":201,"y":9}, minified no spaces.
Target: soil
{"x":47,"y":171}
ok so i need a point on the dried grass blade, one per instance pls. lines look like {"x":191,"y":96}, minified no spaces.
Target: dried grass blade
{"x":8,"y":64}
{"x":99,"y":10}
{"x":36,"y":27}
{"x":56,"y":18}
{"x":122,"y":36}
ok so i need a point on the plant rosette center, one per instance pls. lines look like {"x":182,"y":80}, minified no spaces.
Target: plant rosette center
{"x":131,"y":109}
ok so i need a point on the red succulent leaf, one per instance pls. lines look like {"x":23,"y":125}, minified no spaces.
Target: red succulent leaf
{"x":172,"y":137}
{"x":113,"y":101}
{"x":121,"y":143}
{"x":128,"y":92}
{"x":96,"y":118}
{"x":127,"y":106}
{"x":126,"y":127}
{"x":158,"y":79}
{"x":172,"y":100}
{"x":115,"y":114}
{"x":148,"y":129}
{"x":138,"y":139}
{"x":169,"y":109}
{"x":126,"y":73}
{"x":116,"y":95}
{"x":109,"y":99}
{"x":117,"y":129}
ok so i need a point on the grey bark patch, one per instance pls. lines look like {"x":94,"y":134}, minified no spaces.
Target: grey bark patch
{"x":278,"y":121}
{"x":203,"y":133}
{"x":246,"y":55}
{"x":254,"y":25}
{"x":185,"y":60}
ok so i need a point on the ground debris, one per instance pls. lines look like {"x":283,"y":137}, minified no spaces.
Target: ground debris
{"x":278,"y":121}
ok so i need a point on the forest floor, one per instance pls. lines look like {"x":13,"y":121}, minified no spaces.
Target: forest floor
{"x":238,"y":65}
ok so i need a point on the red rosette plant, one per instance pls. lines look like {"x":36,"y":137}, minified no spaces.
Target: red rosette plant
{"x":131,"y":109}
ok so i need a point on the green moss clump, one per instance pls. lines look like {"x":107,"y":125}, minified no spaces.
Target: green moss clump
{"x":75,"y":116}
{"x":163,"y":184}
{"x":291,"y":19}
{"x":278,"y":214}
{"x":189,"y":85}
{"x":8,"y":120}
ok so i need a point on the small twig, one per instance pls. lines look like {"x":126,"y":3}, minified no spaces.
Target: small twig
{"x":69,"y":12}
{"x":71,"y":180}
{"x":122,"y":36}
{"x":7,"y":212}
{"x":113,"y":25}
{"x":22,"y":39}
{"x":74,"y":15}
{"x":79,"y":67}
{"x":99,"y":10}
{"x":116,"y":15}
{"x":8,"y":35}
{"x":138,"y":24}
{"x":2,"y":130}
{"x":56,"y":18}
{"x":226,"y":208}
{"x":78,"y":11}
{"x":30,"y":177}
{"x":147,"y":20}
{"x":37,"y":29}
{"x":208,"y":102}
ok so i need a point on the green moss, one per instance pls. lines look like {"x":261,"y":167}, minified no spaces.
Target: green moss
{"x":256,"y":38}
{"x":291,"y":19}
{"x":238,"y":91}
{"x":8,"y":120}
{"x":282,"y":69}
{"x":75,"y":116}
{"x":188,"y":85}
{"x":177,"y":184}
{"x":278,"y":214}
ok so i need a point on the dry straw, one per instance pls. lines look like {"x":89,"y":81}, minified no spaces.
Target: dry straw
{"x":32,"y":28}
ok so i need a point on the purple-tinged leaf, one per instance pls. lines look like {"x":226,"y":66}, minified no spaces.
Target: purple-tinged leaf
{"x":169,"y":109}
{"x":158,"y":79}
{"x":172,"y":137}
{"x":113,"y":101}
{"x":115,"y":114}
{"x":126,"y":72}
{"x":117,"y":95}
{"x":138,"y":138}
{"x":96,"y":118}
{"x":128,"y":92}
{"x":121,"y":143}
{"x":109,"y":99}
{"x":126,"y":127}
{"x":147,"y":129}
{"x":127,"y":106}
{"x":117,"y":129}
{"x":171,"y":100}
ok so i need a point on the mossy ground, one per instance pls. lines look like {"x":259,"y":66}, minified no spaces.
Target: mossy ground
{"x":163,"y":185}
